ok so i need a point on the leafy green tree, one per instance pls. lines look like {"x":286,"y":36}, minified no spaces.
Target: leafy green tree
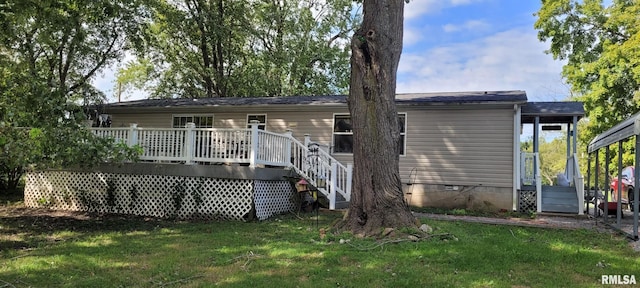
{"x":50,"y":51}
{"x":218,"y":48}
{"x":601,"y":45}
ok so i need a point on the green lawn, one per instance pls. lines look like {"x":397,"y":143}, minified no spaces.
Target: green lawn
{"x":287,"y":251}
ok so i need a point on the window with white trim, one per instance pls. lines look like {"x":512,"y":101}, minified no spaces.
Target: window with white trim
{"x":261,"y":118}
{"x":201,"y":120}
{"x":343,"y":133}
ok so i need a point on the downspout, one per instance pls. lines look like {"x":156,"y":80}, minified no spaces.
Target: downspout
{"x":516,"y":155}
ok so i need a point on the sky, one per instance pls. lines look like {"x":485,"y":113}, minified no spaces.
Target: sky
{"x":464,"y":45}
{"x":477,"y":45}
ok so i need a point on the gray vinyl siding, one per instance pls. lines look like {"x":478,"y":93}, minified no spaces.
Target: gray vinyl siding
{"x":472,"y":147}
{"x":143,"y":120}
{"x":463,"y":146}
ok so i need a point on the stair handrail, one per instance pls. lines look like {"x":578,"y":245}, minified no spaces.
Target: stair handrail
{"x":578,"y":181}
{"x":321,"y":170}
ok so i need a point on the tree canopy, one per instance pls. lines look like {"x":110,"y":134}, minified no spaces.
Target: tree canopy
{"x":50,"y":51}
{"x":601,"y":45}
{"x":217,"y":48}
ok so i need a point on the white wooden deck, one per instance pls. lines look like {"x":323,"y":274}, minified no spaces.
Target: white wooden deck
{"x":252,"y":147}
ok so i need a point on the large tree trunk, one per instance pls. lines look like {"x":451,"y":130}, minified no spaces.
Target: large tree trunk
{"x":377,"y":200}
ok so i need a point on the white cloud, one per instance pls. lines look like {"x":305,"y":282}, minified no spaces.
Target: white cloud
{"x":509,"y":60}
{"x":411,"y":36}
{"x":417,"y":8}
{"x":471,"y":25}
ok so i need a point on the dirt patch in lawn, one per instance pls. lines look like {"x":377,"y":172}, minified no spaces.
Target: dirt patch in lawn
{"x":24,"y":228}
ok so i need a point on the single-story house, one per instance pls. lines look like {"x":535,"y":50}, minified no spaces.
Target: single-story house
{"x":460,"y":149}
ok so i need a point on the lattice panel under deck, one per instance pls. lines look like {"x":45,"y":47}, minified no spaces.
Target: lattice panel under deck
{"x":147,"y":195}
{"x":273,"y":197}
{"x":527,"y":201}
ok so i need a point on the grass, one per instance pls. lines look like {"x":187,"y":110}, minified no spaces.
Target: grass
{"x":288,"y":251}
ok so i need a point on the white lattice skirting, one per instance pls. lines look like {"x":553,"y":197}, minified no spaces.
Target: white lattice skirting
{"x":159,"y":195}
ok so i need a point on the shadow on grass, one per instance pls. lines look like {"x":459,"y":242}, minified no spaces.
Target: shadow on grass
{"x":110,"y":250}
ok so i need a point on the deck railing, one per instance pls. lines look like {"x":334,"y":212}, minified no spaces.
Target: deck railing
{"x":530,"y":174}
{"x":251,"y":146}
{"x":527,"y":168}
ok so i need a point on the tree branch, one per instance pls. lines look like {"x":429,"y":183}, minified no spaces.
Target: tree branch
{"x":103,"y":59}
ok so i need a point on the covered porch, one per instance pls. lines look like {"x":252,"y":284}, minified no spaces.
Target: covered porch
{"x":567,"y":194}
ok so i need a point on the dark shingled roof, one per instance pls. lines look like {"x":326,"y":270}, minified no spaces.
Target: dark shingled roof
{"x":552,"y":112}
{"x":401,"y":99}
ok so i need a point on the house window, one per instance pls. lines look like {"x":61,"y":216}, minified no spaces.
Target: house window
{"x":343,"y":133}
{"x":201,"y":121}
{"x":261,"y":118}
{"x":402,"y":122}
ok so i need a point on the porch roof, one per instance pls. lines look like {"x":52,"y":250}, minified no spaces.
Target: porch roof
{"x":623,"y":130}
{"x":436,"y":98}
{"x":552,"y":112}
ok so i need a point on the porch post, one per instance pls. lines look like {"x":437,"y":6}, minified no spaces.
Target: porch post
{"x":305,"y":152}
{"x":606,"y":184}
{"x":589,"y":181}
{"x":253,"y":155}
{"x":619,"y":192}
{"x":576,"y":168}
{"x":287,"y":149}
{"x":568,"y":141}
{"x":349,"y":180}
{"x":568,"y":168}
{"x":536,"y":141}
{"x":332,"y":187}
{"x":575,"y":135}
{"x":307,"y":140}
{"x":538,"y":182}
{"x":133,"y":135}
{"x":636,"y":181}
{"x":596,"y":183}
{"x":189,"y":143}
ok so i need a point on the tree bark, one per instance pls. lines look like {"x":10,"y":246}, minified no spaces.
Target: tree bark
{"x":377,"y":200}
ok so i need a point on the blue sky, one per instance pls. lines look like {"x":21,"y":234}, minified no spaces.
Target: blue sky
{"x":477,"y":45}
{"x":465,"y":45}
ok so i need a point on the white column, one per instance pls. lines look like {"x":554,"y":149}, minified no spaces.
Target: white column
{"x":349,"y":181}
{"x":189,"y":143}
{"x":332,"y":185}
{"x":133,"y":135}
{"x":253,"y":155}
{"x":287,"y":152}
